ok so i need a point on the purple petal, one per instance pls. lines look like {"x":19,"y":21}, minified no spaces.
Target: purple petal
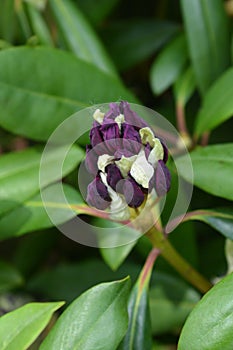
{"x":162,"y":179}
{"x":131,"y":117}
{"x":91,"y":160}
{"x":113,"y":177}
{"x":134,"y":195}
{"x":97,"y":194}
{"x":165,"y":150}
{"x":95,"y":135}
{"x":147,"y":150}
{"x":111,"y":136}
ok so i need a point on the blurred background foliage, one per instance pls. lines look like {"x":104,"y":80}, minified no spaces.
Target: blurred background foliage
{"x":163,"y":54}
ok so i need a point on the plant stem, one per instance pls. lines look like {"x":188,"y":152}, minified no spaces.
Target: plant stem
{"x":160,"y":242}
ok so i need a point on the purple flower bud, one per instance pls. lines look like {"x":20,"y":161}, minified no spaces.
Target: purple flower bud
{"x":113,"y":112}
{"x":91,"y":160}
{"x":114,"y":177}
{"x":162,"y":179}
{"x":111,"y":134}
{"x":97,"y":194}
{"x":96,"y":136}
{"x":133,"y":193}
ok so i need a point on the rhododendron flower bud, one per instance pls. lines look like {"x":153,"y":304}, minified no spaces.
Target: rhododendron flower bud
{"x":127,"y":160}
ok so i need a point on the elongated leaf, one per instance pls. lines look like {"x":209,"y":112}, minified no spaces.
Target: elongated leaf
{"x":32,"y":215}
{"x":209,"y":326}
{"x":213,"y":168}
{"x":207,"y":28}
{"x":33,"y":105}
{"x":9,"y":277}
{"x":184,"y":87}
{"x":139,"y":335}
{"x":19,"y":173}
{"x":19,"y":328}
{"x":97,"y":319}
{"x":132,"y":41}
{"x":39,"y":25}
{"x":221,"y":219}
{"x":79,"y":36}
{"x":217,"y":105}
{"x":169,"y":64}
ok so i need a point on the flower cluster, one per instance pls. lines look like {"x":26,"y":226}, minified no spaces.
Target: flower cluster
{"x":126,"y":159}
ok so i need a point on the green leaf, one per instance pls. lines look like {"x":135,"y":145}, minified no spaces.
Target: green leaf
{"x":79,"y":35}
{"x":132,"y":41}
{"x":19,"y":173}
{"x":171,"y":300}
{"x":62,"y":282}
{"x":217,"y":104}
{"x":97,"y":319}
{"x":115,"y":256}
{"x":221,"y":219}
{"x":169,"y":64}
{"x":39,"y":25}
{"x":184,"y":87}
{"x":10,"y":278}
{"x":207,"y":27}
{"x":32,"y":215}
{"x":139,"y":335}
{"x":209,"y":326}
{"x":33,"y":105}
{"x":19,"y":328}
{"x":213,"y":168}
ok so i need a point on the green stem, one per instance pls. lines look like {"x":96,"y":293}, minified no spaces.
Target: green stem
{"x":160,"y":242}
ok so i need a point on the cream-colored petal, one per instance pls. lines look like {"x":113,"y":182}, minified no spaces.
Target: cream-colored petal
{"x":147,"y":135}
{"x":141,"y":170}
{"x":103,"y":161}
{"x":156,"y":153}
{"x":119,"y":120}
{"x":125,"y":164}
{"x":98,"y":116}
{"x":119,"y":209}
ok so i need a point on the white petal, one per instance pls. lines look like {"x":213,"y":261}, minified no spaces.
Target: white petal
{"x":98,"y":116}
{"x":119,"y":209}
{"x":156,"y":153}
{"x":103,"y":161}
{"x":119,"y":120}
{"x":125,"y":164}
{"x":141,"y":170}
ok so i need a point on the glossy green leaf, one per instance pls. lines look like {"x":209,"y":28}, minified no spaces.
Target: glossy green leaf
{"x":171,"y":300}
{"x":217,"y":104}
{"x":169,"y":64}
{"x":19,"y":173}
{"x":79,"y":35}
{"x":63,"y":281}
{"x":97,"y":319}
{"x":97,"y":11}
{"x":184,"y":86}
{"x":132,"y":41}
{"x":19,"y":328}
{"x":221,"y":219}
{"x":32,"y":215}
{"x":33,"y":105}
{"x":213,"y":168}
{"x":209,"y":326}
{"x":10,"y":278}
{"x":207,"y":28}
